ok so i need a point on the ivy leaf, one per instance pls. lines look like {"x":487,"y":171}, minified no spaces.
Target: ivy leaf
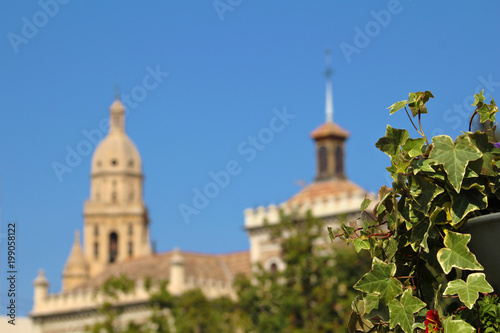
{"x":439,"y":216}
{"x":416,"y":102}
{"x":465,"y":202}
{"x":365,"y":204}
{"x":456,"y":253}
{"x":360,"y":244}
{"x":468,"y":292}
{"x":392,"y":141}
{"x":457,"y":326}
{"x":397,"y":106}
{"x":454,"y":156}
{"x":347,"y":230}
{"x":423,"y":165}
{"x":484,"y":112}
{"x":420,"y":235}
{"x":380,"y":280}
{"x":401,"y":311}
{"x":478,"y":98}
{"x":424,"y":192}
{"x":483,"y":165}
{"x":400,"y":162}
{"x":414,"y":146}
{"x":418,"y":325}
{"x":371,"y":302}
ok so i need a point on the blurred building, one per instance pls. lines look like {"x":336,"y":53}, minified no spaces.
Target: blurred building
{"x":331,"y":197}
{"x":116,"y":232}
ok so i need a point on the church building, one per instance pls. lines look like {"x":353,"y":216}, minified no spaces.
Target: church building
{"x":116,"y":236}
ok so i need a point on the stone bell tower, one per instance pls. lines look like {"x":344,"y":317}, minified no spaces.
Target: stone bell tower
{"x":116,"y":225}
{"x":330,"y":138}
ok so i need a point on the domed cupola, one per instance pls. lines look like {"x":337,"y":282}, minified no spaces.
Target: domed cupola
{"x":116,"y":153}
{"x":116,"y":217}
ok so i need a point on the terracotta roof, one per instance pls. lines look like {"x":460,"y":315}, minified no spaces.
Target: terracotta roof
{"x":323,"y":189}
{"x":329,"y":129}
{"x":218,"y":267}
{"x":237,"y":262}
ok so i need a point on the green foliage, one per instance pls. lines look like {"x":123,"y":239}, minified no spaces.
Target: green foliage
{"x":402,"y":310}
{"x":456,"y":253}
{"x":111,"y":290}
{"x":457,"y":326}
{"x":311,"y":293}
{"x":194,"y":313}
{"x":468,"y":291}
{"x":416,"y":239}
{"x":454,"y":156}
{"x":190,"y":312}
{"x":485,"y":315}
{"x":381,"y":281}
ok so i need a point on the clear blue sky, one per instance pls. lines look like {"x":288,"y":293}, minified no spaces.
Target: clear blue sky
{"x":227,"y":70}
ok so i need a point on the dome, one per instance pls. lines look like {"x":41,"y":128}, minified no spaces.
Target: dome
{"x":329,"y":129}
{"x":116,"y":153}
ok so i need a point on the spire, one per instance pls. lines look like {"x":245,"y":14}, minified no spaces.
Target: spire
{"x":76,"y":257}
{"x":329,"y":137}
{"x":41,"y":280}
{"x":329,"y":94}
{"x":117,"y":115}
{"x":117,"y":92}
{"x":76,"y":268}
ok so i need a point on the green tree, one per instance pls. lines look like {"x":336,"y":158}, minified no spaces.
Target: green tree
{"x":109,"y":310}
{"x":311,"y":293}
{"x":190,"y":312}
{"x":194,"y":313}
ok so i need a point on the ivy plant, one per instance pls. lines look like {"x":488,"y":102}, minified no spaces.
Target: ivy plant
{"x":423,"y":275}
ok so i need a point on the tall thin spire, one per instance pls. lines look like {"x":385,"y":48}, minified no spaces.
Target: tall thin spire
{"x":117,"y":92}
{"x":329,"y":94}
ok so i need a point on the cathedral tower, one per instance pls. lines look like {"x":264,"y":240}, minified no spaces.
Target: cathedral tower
{"x":329,"y":138}
{"x":115,"y":216}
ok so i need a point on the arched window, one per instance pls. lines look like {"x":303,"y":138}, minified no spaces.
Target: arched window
{"x":274,"y":265}
{"x":339,"y":161}
{"x":96,"y":250}
{"x":96,"y":230}
{"x":113,"y":246}
{"x":130,"y":249}
{"x":323,"y":159}
{"x":130,"y":229}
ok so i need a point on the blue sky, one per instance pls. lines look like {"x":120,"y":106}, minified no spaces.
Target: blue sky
{"x":228,"y":68}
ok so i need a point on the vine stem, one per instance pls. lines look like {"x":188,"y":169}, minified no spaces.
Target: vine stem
{"x":439,"y":231}
{"x":414,"y":126}
{"x":421,"y":130}
{"x":472,"y":118}
{"x":360,"y":228}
